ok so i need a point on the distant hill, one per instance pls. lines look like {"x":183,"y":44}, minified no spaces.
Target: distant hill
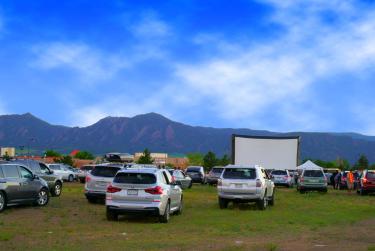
{"x":161,"y":134}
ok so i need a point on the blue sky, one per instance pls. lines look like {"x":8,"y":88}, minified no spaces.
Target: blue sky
{"x":266,"y":64}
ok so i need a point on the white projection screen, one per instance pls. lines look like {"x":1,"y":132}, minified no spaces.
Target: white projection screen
{"x":268,"y":152}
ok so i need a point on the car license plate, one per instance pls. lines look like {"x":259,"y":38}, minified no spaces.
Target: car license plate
{"x":132,"y":192}
{"x":238,"y":185}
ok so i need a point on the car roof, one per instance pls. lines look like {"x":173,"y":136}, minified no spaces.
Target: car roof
{"x":242,"y":166}
{"x":140,"y":170}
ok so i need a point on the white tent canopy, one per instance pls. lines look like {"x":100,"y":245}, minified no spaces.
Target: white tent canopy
{"x":309,"y":165}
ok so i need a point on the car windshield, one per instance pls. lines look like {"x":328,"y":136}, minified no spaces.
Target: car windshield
{"x":105,"y":171}
{"x":54,"y":167}
{"x":313,"y":173}
{"x":193,"y":170}
{"x":87,"y":168}
{"x":370,"y":175}
{"x":135,"y":178}
{"x":279,"y":172}
{"x":239,"y":173}
{"x":217,"y":170}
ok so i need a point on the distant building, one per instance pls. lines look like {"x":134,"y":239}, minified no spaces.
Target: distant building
{"x":10,"y":151}
{"x":160,"y":159}
{"x":178,"y":162}
{"x":119,"y":157}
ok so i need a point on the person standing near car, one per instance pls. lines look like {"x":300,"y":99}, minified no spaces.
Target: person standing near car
{"x":350,"y":181}
{"x":332,"y":179}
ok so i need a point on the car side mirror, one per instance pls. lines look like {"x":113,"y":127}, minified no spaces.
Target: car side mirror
{"x":35,"y":177}
{"x":50,"y":171}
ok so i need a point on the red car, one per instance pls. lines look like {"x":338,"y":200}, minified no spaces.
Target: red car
{"x":367,"y":182}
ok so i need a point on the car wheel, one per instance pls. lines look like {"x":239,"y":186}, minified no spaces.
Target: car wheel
{"x":3,"y":201}
{"x":111,"y":215}
{"x":56,"y":192}
{"x":262,"y":203}
{"x":164,"y":218}
{"x":70,"y":178}
{"x":43,"y":197}
{"x":271,"y":202}
{"x":181,"y":207}
{"x":362,"y":192}
{"x":223,"y":203}
{"x":191,"y":184}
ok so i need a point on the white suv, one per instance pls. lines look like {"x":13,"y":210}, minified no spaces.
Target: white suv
{"x":245,"y":184}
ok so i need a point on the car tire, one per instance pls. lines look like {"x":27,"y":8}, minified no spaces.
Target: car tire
{"x":43,"y":198}
{"x":71,"y":178}
{"x":191,"y":184}
{"x":111,"y":215}
{"x":181,"y":207}
{"x":164,"y":218}
{"x":223,"y":203}
{"x":92,"y":200}
{"x":362,"y":192}
{"x":3,"y":201}
{"x":262,"y":203}
{"x":271,"y":202}
{"x":57,"y":189}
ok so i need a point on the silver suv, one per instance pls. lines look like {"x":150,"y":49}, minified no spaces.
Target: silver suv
{"x":97,"y":181}
{"x":144,"y":191}
{"x":245,"y":184}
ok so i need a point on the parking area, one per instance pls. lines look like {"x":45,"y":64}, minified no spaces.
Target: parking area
{"x":313,"y":221}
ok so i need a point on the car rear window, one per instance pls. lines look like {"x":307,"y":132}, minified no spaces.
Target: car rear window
{"x":239,"y":173}
{"x":105,"y":171}
{"x":370,"y":175}
{"x":279,"y":172}
{"x":313,"y":173}
{"x":217,"y":170}
{"x":54,"y":167}
{"x":135,"y":178}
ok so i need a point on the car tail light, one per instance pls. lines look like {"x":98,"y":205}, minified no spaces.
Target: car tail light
{"x":258,"y":183}
{"x":88,"y":179}
{"x":364,"y":180}
{"x":154,"y":190}
{"x":219,"y":182}
{"x":112,"y":189}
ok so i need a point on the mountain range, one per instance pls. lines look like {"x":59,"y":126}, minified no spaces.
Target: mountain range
{"x":160,"y":134}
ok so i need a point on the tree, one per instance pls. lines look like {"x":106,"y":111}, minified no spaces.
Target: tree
{"x":67,"y":159}
{"x":84,"y":155}
{"x":145,"y":158}
{"x":195,"y":159}
{"x":6,"y":156}
{"x":362,"y":163}
{"x":224,"y":160}
{"x":52,"y":153}
{"x":209,"y":161}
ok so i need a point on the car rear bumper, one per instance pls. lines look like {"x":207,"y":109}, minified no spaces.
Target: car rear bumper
{"x":312,"y":187}
{"x":240,"y":197}
{"x":197,"y":179}
{"x":131,"y":207}
{"x":212,"y":180}
{"x":95,"y":195}
{"x":150,"y":211}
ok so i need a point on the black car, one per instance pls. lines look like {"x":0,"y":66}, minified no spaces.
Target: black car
{"x":18,"y":185}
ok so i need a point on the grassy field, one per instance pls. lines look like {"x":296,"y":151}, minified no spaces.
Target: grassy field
{"x":312,"y":221}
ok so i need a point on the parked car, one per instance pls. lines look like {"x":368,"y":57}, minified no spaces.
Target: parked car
{"x":214,"y":175}
{"x":282,"y":178}
{"x":84,"y":171}
{"x":196,"y":173}
{"x":343,"y":185}
{"x":312,"y":180}
{"x":366,"y":182}
{"x":55,"y":182}
{"x":178,"y":175}
{"x":63,"y":171}
{"x":18,"y":185}
{"x":245,"y":184}
{"x":97,"y":181}
{"x":76,"y":171}
{"x":144,"y":191}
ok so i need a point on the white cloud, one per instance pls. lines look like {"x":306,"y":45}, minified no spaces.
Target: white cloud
{"x":88,"y":62}
{"x":3,"y":109}
{"x":243,"y":84}
{"x":150,"y":26}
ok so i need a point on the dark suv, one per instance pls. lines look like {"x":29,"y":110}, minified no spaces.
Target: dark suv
{"x":54,"y":181}
{"x":18,"y":185}
{"x":366,"y":182}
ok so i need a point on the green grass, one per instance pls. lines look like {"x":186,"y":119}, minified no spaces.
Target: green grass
{"x":71,"y":223}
